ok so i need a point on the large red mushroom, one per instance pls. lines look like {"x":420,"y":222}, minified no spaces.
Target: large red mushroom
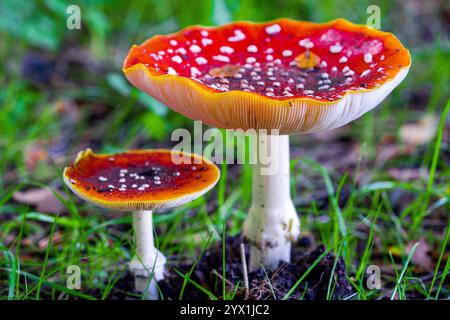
{"x":292,"y":76}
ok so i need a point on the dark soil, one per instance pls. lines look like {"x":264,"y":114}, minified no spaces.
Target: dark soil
{"x":264,"y":285}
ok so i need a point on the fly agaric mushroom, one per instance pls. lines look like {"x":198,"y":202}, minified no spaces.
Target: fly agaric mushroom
{"x":141,"y":181}
{"x":294,"y":76}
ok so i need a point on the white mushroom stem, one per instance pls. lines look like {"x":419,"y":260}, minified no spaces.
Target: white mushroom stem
{"x":272,"y":223}
{"x":148,"y":264}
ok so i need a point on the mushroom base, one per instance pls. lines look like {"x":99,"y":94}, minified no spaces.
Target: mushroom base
{"x":272,"y":223}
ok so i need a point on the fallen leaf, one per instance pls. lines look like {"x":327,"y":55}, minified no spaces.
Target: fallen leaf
{"x":421,"y":257}
{"x":396,"y":251}
{"x":420,"y":132}
{"x":386,"y":153}
{"x":408,"y":174}
{"x":33,"y":154}
{"x":56,"y":239}
{"x":43,"y":199}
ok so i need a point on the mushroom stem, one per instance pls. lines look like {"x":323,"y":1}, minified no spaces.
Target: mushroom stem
{"x":148,"y":264}
{"x":272,"y":223}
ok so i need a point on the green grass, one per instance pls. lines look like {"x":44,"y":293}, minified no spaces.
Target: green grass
{"x":365,"y":216}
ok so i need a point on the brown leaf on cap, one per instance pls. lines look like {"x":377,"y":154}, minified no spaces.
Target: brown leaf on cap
{"x":43,"y":199}
{"x":228,"y":70}
{"x":307,"y":60}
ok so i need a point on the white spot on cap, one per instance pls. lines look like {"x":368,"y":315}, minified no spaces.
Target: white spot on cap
{"x":365,"y":73}
{"x":201,"y":60}
{"x":306,"y":43}
{"x":181,"y":50}
{"x":335,"y":48}
{"x":238,"y":36}
{"x":273,"y":29}
{"x":343,"y":59}
{"x":173,"y":42}
{"x":195,"y":72}
{"x":221,"y":58}
{"x":269,"y":57}
{"x":226,"y":49}
{"x":204,"y":33}
{"x":177,"y":59}
{"x":368,"y":58}
{"x":171,"y":71}
{"x":349,"y":73}
{"x":195,"y":48}
{"x":252,"y":48}
{"x":102,"y":179}
{"x":250,"y":60}
{"x":206,"y":41}
{"x":286,"y":53}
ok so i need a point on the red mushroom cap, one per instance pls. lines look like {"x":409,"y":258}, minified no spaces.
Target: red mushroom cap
{"x":289,"y":75}
{"x":140,"y":180}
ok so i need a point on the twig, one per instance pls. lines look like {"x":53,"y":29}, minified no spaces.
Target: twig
{"x":244,"y":270}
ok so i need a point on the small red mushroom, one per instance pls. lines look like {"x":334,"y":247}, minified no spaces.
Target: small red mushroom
{"x":292,"y":76}
{"x":141,"y":181}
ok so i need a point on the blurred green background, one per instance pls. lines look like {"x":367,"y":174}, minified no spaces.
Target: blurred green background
{"x":63,"y":90}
